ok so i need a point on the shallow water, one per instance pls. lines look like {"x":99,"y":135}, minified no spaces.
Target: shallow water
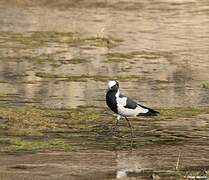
{"x":161,"y":47}
{"x":60,"y":54}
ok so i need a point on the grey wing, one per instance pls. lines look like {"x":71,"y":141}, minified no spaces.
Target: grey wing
{"x":130,"y":104}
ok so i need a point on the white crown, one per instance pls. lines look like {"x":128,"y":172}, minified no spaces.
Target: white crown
{"x":111,"y":83}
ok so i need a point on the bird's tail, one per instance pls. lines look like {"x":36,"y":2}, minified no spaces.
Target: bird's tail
{"x":150,"y":112}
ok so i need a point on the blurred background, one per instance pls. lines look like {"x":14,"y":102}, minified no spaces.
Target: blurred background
{"x":62,"y":53}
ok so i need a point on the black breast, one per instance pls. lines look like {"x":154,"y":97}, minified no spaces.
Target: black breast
{"x":111,"y":101}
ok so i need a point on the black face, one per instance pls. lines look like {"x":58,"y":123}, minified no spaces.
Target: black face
{"x":115,"y":87}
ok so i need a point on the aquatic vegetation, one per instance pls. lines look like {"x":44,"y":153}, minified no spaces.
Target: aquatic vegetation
{"x":5,"y":95}
{"x":86,"y":77}
{"x":21,"y":144}
{"x":184,"y":112}
{"x":34,"y":39}
{"x":39,"y":129}
{"x":118,"y":57}
{"x":101,"y":42}
{"x":3,"y":81}
{"x":30,"y":128}
{"x":125,"y":56}
{"x":33,"y":47}
{"x":37,"y":39}
{"x":74,"y":61}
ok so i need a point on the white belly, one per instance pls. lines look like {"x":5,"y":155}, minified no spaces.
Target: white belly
{"x":126,"y":112}
{"x":130,"y":112}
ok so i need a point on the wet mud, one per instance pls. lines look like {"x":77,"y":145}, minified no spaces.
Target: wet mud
{"x":55,"y":60}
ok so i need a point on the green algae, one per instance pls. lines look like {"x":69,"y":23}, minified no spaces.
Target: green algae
{"x":39,"y":59}
{"x":74,"y":61}
{"x":35,"y":39}
{"x":125,"y":56}
{"x":120,"y":55}
{"x":86,"y":77}
{"x":77,"y":61}
{"x":44,"y":38}
{"x":20,"y":144}
{"x":6,"y":95}
{"x":184,"y":112}
{"x":28,"y":127}
{"x":3,"y":95}
{"x":39,"y":129}
{"x":3,"y":81}
{"x":32,"y":46}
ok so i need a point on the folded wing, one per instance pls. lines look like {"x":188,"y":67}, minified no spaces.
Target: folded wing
{"x":140,"y":110}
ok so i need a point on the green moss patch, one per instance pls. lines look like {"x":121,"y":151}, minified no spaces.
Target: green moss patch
{"x":42,"y":38}
{"x":184,"y":112}
{"x":20,"y":144}
{"x":37,"y":129}
{"x":34,"y":46}
{"x":125,"y":56}
{"x":86,"y":77}
{"x":41,"y":129}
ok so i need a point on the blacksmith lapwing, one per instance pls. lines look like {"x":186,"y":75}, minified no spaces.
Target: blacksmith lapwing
{"x":124,"y":106}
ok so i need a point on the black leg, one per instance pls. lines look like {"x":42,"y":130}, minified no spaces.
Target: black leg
{"x":129,"y":124}
{"x":115,"y":126}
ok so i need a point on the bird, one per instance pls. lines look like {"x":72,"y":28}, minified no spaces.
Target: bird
{"x":123,"y":106}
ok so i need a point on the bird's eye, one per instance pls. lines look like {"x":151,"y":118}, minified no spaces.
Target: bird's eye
{"x":115,"y":86}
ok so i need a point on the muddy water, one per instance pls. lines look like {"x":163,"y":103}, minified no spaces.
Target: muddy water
{"x":60,"y":54}
{"x":160,"y":46}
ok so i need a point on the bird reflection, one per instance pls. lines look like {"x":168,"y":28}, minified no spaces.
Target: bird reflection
{"x":131,"y":163}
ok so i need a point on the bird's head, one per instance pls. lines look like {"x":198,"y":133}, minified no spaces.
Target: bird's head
{"x":113,"y":85}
